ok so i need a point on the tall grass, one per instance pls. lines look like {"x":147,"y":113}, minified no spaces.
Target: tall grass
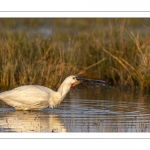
{"x":36,"y":61}
{"x":114,"y":54}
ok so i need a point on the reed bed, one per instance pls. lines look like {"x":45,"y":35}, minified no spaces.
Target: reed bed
{"x":115,"y":54}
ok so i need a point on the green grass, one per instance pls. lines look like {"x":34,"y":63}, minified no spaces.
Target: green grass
{"x":95,"y":48}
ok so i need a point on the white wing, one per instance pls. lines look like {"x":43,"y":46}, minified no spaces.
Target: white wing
{"x":28,"y":94}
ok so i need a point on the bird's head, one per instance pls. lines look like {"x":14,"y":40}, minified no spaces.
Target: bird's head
{"x":72,"y":81}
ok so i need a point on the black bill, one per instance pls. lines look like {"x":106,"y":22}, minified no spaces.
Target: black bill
{"x":100,"y":82}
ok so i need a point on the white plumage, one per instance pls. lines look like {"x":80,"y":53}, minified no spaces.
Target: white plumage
{"x":35,"y":97}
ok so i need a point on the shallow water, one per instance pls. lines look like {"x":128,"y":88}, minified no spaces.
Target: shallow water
{"x":84,"y":110}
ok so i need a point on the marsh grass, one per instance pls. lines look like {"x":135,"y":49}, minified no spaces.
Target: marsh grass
{"x":114,"y":54}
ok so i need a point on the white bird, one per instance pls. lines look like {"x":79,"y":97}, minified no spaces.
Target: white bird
{"x":35,"y":97}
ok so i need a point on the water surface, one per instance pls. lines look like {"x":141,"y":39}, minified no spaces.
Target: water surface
{"x":84,"y":110}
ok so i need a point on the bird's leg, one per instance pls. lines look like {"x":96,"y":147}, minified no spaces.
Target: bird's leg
{"x":57,"y":107}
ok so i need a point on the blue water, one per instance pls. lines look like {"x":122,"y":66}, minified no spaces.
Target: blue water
{"x":84,"y":110}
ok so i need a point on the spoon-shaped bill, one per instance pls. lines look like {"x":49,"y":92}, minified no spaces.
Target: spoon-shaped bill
{"x":101,"y":82}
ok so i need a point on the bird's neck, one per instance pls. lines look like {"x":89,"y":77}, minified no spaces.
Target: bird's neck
{"x":63,"y":90}
{"x":57,"y":97}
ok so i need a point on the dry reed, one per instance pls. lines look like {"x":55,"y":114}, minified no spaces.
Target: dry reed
{"x":114,"y":54}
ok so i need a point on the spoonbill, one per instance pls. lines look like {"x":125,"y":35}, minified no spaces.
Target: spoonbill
{"x":35,"y":97}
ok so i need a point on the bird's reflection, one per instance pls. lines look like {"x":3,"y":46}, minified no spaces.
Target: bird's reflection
{"x":31,"y":121}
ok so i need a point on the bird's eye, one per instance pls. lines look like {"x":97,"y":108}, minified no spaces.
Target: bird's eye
{"x":73,"y":78}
